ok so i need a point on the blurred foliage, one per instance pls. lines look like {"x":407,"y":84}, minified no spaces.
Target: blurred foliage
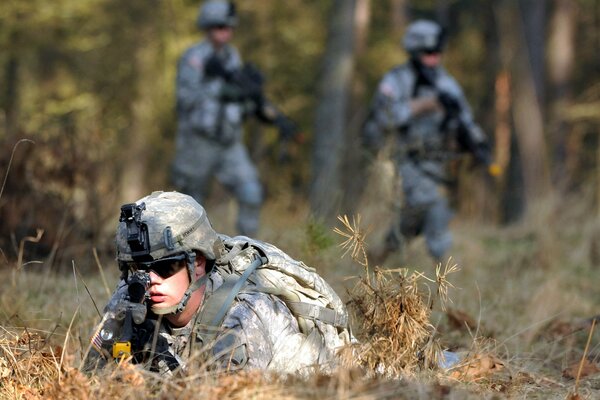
{"x":92,"y":83}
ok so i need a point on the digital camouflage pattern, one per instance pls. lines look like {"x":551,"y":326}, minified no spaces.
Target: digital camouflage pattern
{"x":215,"y":13}
{"x":422,"y":150}
{"x":284,"y":319}
{"x":209,"y":135}
{"x":176,"y":215}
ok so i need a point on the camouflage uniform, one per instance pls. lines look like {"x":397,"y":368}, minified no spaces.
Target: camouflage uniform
{"x":422,"y":150}
{"x":209,"y":136}
{"x":282,"y":316}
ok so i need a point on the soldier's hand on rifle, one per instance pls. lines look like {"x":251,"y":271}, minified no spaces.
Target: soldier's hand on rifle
{"x":287,"y":127}
{"x":287,"y":131}
{"x":483,"y":156}
{"x":251,"y":80}
{"x":450,"y":103}
{"x":214,"y":68}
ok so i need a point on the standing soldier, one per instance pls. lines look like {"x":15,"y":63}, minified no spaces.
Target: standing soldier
{"x":424,"y":107}
{"x":215,"y":91}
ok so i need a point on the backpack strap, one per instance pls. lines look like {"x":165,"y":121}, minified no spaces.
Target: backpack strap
{"x":319,"y":313}
{"x":218,"y":304}
{"x":307,"y":310}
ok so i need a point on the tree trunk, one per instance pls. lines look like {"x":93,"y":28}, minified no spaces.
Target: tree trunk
{"x":134,"y":181}
{"x":355,"y":174}
{"x":533,"y":23}
{"x":331,"y":113}
{"x":398,"y":17}
{"x":526,"y":109}
{"x":561,"y":52}
{"x":10,"y":101}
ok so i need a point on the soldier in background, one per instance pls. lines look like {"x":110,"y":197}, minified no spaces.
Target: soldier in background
{"x":215,"y":92}
{"x":187,"y":293}
{"x":424,"y":107}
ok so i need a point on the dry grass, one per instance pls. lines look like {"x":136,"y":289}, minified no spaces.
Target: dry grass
{"x":521,"y":322}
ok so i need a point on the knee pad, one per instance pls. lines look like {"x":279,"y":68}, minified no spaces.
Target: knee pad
{"x":248,"y":219}
{"x":250,"y":193}
{"x":438,"y":245}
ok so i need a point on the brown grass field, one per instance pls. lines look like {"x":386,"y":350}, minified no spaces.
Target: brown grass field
{"x":517,"y":303}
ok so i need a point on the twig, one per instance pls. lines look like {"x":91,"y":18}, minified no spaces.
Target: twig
{"x":62,"y":356}
{"x":10,"y":163}
{"x":99,"y":264}
{"x":587,"y":345}
{"x":86,"y":289}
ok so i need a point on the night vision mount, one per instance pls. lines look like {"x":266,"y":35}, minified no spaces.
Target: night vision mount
{"x":137,"y":231}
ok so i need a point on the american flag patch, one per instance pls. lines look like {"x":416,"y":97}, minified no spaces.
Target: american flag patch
{"x":386,"y":89}
{"x":97,"y":340}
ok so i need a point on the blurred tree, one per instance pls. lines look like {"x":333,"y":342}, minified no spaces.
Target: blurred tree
{"x":329,"y":141}
{"x":526,"y":110}
{"x":355,"y":173}
{"x":561,"y":60}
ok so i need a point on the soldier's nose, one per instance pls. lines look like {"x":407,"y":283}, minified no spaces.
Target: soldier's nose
{"x":155,"y":278}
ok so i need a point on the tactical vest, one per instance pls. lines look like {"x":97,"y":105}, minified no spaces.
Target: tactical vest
{"x":247,"y":265}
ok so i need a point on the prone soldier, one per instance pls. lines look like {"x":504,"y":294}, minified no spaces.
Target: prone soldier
{"x":186,"y":291}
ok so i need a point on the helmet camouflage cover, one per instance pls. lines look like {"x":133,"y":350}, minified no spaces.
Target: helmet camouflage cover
{"x":423,"y":35}
{"x":174,"y":223}
{"x":215,"y":13}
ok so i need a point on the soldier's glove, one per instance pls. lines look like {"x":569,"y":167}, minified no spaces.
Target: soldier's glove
{"x":450,"y":103}
{"x":251,"y":80}
{"x":483,"y":154}
{"x":287,"y":127}
{"x":214,"y":68}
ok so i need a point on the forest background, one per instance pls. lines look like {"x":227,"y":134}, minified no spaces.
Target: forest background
{"x":87,"y":93}
{"x":92,"y":84}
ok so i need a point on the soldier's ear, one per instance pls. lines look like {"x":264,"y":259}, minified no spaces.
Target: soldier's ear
{"x":201,"y":264}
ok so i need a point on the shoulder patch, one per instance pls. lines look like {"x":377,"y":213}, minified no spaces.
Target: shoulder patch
{"x":386,"y":89}
{"x":195,"y":61}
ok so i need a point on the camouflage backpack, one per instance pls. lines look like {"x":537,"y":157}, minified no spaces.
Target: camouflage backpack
{"x":248,"y":265}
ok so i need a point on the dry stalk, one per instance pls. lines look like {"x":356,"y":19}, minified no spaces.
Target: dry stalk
{"x":355,"y":240}
{"x":392,"y":312}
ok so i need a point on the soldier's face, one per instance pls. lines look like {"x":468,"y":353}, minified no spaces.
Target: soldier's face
{"x":431,"y":59}
{"x":220,"y":35}
{"x":168,"y":292}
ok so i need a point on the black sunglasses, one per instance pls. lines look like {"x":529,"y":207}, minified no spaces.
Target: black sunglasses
{"x":431,"y":51}
{"x":164,"y":267}
{"x":220,"y":27}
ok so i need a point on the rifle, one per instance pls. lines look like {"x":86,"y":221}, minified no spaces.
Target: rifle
{"x":128,"y":330}
{"x":246,"y":84}
{"x":454,"y":122}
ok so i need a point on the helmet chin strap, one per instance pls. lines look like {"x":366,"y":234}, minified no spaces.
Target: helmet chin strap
{"x":190,"y":260}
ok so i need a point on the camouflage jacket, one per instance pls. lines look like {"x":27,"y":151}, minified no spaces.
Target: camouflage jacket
{"x":259,"y":329}
{"x":200,"y":107}
{"x":419,"y":134}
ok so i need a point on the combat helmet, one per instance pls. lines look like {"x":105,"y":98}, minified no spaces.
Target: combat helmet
{"x":423,"y":35}
{"x":217,"y":13}
{"x":164,"y":227}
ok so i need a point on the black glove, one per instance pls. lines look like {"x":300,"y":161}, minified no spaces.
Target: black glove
{"x":482,"y":154}
{"x":252,"y":75}
{"x":287,"y":127}
{"x":450,"y":103}
{"x":214,"y":68}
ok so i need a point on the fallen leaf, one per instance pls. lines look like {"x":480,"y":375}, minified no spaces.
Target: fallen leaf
{"x":459,"y":319}
{"x":588,"y":368}
{"x":476,"y":367}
